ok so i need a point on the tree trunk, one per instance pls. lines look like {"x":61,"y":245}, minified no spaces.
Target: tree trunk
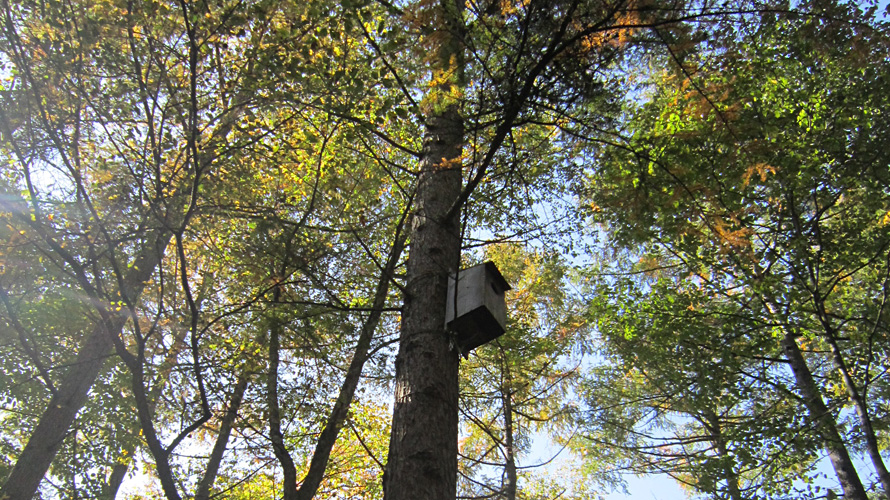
{"x":328,"y":436}
{"x":868,"y":430}
{"x":509,"y":452}
{"x":289,"y":485}
{"x":53,"y":426}
{"x":729,"y":474}
{"x":44,"y":443}
{"x":118,"y":474}
{"x":222,"y":440}
{"x":825,"y":424}
{"x":856,"y":396}
{"x":422,"y":461}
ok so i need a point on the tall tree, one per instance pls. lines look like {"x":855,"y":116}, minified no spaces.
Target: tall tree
{"x":693,"y":389}
{"x":534,"y":61}
{"x":423,"y":464}
{"x":114,"y":139}
{"x":57,"y":127}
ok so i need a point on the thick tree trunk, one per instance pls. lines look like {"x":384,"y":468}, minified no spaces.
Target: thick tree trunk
{"x":53,"y":426}
{"x":118,"y":474}
{"x":45,"y":441}
{"x":825,"y":424}
{"x":422,"y":460}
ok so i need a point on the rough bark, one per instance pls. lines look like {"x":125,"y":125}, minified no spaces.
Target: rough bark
{"x":825,"y":424}
{"x":422,"y":461}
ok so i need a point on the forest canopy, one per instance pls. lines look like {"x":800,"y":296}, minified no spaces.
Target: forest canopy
{"x":227,"y":230}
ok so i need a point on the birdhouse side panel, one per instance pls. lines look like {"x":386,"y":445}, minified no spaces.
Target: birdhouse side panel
{"x":496,"y":306}
{"x":476,"y":309}
{"x":468,"y":298}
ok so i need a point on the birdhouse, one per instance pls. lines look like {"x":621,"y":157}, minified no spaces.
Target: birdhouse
{"x":477,"y":307}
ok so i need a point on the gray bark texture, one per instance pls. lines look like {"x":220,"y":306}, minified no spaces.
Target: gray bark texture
{"x":423,"y":445}
{"x":422,"y":463}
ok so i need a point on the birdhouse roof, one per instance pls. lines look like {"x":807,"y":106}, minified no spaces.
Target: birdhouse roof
{"x":496,"y":275}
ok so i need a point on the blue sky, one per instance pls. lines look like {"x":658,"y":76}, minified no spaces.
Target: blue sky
{"x":658,"y":487}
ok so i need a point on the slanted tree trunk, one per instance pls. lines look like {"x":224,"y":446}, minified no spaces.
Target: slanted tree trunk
{"x":328,"y":436}
{"x":422,"y":461}
{"x":865,"y":423}
{"x":35,"y":459}
{"x":712,"y":424}
{"x":825,"y":424}
{"x":857,"y":396}
{"x":44,"y":443}
{"x":222,"y":439}
{"x":289,"y":469}
{"x":119,"y":472}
